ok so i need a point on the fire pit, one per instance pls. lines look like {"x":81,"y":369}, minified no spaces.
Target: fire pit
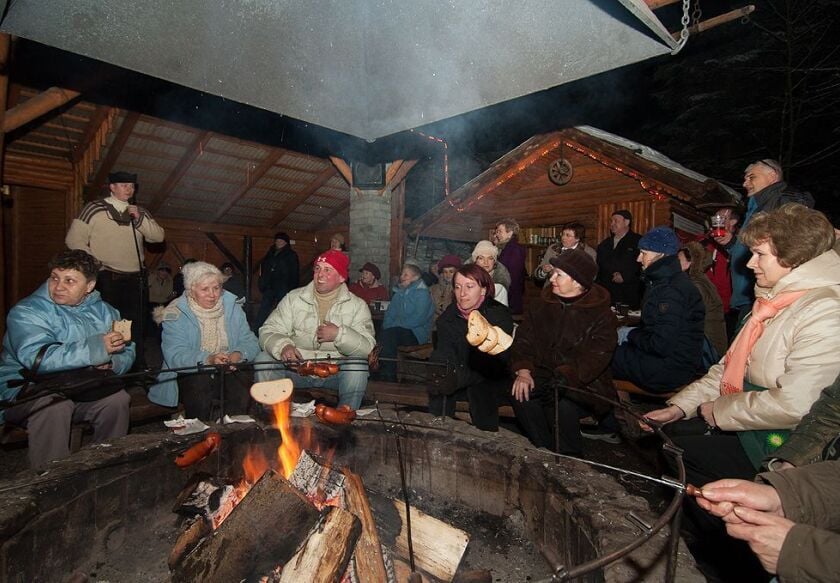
{"x":107,"y":512}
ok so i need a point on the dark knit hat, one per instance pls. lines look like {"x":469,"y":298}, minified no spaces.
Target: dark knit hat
{"x":372,"y":268}
{"x":624,"y":213}
{"x":117,"y":177}
{"x":449,"y":261}
{"x":578,"y":265}
{"x":660,"y":240}
{"x":284,"y":236}
{"x":338,"y":260}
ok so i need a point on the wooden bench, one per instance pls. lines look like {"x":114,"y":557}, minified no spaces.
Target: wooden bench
{"x":626,"y":388}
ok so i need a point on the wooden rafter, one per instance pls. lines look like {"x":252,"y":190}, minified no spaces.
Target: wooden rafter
{"x":299,"y":198}
{"x":116,"y":148}
{"x":193,"y":151}
{"x":100,"y":115}
{"x":343,"y":169}
{"x":254,"y":177}
{"x":37,"y":106}
{"x":400,"y":173}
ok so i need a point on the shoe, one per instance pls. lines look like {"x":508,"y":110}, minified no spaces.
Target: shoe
{"x":600,"y":435}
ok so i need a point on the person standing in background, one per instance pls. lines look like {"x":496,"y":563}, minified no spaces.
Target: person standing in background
{"x":114,"y":230}
{"x":512,"y":256}
{"x":618,"y":270}
{"x":279,"y":274}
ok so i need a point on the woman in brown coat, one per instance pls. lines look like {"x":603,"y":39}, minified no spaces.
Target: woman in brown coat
{"x":567,"y":338}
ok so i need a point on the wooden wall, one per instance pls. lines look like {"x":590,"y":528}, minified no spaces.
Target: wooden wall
{"x":533,"y":200}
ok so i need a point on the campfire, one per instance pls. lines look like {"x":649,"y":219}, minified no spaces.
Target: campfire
{"x":298,"y":518}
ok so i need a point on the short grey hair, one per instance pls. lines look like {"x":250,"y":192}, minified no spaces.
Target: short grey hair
{"x":413,"y":269}
{"x":199,"y":270}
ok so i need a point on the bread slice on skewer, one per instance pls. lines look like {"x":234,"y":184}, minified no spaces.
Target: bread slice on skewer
{"x":272,"y":392}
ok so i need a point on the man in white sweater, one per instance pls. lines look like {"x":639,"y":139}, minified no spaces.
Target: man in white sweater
{"x":114,"y":230}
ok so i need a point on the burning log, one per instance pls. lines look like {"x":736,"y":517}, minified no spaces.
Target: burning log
{"x":188,"y":540}
{"x":318,"y":481}
{"x":264,"y":530}
{"x":370,"y":567}
{"x":326,"y":553}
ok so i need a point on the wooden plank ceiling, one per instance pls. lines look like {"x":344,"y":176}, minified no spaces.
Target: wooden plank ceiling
{"x":189,"y":174}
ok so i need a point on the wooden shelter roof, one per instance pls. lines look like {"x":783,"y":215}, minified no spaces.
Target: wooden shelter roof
{"x":509,"y":186}
{"x":185,"y":173}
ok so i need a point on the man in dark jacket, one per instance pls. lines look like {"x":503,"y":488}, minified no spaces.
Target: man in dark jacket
{"x":665,"y":351}
{"x":279,"y":274}
{"x":766,"y":191}
{"x":618,"y":270}
{"x":567,"y":338}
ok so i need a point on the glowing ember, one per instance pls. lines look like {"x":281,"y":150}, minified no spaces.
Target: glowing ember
{"x":254,"y":465}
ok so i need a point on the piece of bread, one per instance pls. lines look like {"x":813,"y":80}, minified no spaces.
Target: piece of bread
{"x":123,"y":327}
{"x":477,"y":327}
{"x":272,"y":392}
{"x":504,"y":342}
{"x":491,"y":340}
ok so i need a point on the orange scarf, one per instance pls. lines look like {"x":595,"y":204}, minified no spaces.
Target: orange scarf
{"x":735,"y":364}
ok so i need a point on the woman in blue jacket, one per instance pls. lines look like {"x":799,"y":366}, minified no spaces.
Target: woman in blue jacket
{"x":408,"y":321}
{"x":65,"y":322}
{"x":205,"y":326}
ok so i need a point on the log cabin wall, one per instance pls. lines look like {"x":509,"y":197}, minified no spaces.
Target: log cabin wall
{"x":35,"y":219}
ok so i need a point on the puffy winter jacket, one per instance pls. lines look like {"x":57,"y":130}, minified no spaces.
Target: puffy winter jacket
{"x":295,"y":321}
{"x":181,"y":343}
{"x":37,"y":320}
{"x":665,"y":351}
{"x":794,"y":359}
{"x":411,"y":307}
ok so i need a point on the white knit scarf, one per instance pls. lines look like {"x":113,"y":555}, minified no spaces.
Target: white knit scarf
{"x":211,"y":322}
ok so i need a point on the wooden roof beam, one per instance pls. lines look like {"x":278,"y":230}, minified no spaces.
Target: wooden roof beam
{"x":400,"y":173}
{"x":33,"y":108}
{"x":299,"y":199}
{"x":343,"y":169}
{"x":100,"y":115}
{"x":254,"y":177}
{"x":116,"y":149}
{"x":193,"y":151}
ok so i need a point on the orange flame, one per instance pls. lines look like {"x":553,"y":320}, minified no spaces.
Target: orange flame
{"x":255,"y":465}
{"x":289,"y":450}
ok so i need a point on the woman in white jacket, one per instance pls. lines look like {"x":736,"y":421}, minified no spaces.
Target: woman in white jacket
{"x":780,"y":361}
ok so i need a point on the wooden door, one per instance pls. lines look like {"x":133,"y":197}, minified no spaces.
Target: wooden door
{"x":36,"y":222}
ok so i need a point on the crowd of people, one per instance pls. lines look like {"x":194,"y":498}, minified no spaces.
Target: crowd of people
{"x":736,"y":328}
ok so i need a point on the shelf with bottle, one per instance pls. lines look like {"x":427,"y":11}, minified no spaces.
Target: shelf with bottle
{"x":539,"y":236}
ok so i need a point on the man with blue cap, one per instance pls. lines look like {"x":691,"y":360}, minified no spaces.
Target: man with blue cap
{"x":665,"y":351}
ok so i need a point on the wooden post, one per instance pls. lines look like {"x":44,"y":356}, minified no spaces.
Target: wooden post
{"x":4,"y":87}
